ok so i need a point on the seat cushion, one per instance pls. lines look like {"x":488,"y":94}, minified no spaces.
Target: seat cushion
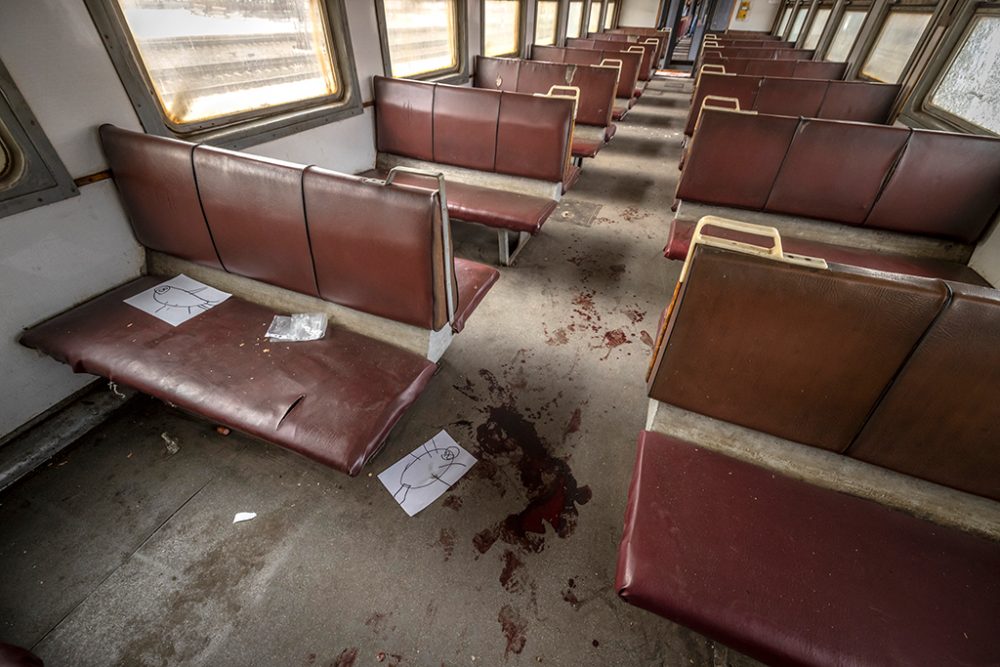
{"x":680,"y":240}
{"x":586,"y":147}
{"x":638,"y":92}
{"x":333,"y":400}
{"x":794,"y":574}
{"x":619,"y":111}
{"x":487,"y":206}
{"x":610,"y":131}
{"x":474,"y":281}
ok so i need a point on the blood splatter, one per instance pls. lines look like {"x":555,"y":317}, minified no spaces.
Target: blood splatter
{"x":514,"y":628}
{"x":511,"y":565}
{"x":453,"y":502}
{"x":346,"y":658}
{"x":646,"y":339}
{"x":447,"y":542}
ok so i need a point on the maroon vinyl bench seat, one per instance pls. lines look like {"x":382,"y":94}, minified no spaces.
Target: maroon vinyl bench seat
{"x":898,"y":190}
{"x":282,"y":238}
{"x":597,"y":86}
{"x":333,"y":400}
{"x":679,"y":241}
{"x":627,"y":82}
{"x":794,"y":574}
{"x":486,"y":206}
{"x":506,"y":156}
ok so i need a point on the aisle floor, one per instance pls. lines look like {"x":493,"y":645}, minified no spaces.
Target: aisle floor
{"x":119,"y":553}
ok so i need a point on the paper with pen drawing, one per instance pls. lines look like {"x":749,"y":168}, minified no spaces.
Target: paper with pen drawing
{"x":177,"y":300}
{"x":423,"y":475}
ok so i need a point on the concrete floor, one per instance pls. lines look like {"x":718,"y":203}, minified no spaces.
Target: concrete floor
{"x":118,"y":553}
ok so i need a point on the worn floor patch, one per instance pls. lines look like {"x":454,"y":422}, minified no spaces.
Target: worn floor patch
{"x":576,"y":212}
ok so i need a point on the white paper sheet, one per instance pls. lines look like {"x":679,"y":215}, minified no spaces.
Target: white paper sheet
{"x":177,"y":300}
{"x":422,"y":476}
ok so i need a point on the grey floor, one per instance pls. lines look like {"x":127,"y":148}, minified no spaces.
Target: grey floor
{"x":119,"y":553}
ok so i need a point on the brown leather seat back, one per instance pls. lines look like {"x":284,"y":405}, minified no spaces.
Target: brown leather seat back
{"x":597,"y":94}
{"x":377,"y":249}
{"x":533,"y":136}
{"x":735,"y":157}
{"x":631,"y":72}
{"x":835,"y":170}
{"x":155,"y":178}
{"x":538,"y":77}
{"x":552,"y":54}
{"x":790,"y":97}
{"x":254,"y":208}
{"x":465,"y":127}
{"x":944,"y":185}
{"x":742,"y":87}
{"x":940,"y":420}
{"x":496,"y":73}
{"x":760,"y":66}
{"x":475,"y":128}
{"x":860,"y":101}
{"x":797,"y":352}
{"x":819,"y":69}
{"x":404,"y":120}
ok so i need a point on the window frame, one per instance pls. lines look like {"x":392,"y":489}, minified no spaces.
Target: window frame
{"x":41,"y":176}
{"x":612,"y":17}
{"x":917,"y":111}
{"x":522,"y":21}
{"x":458,"y":74}
{"x":534,"y":26}
{"x":241,"y":129}
{"x":600,"y":18}
{"x":583,"y":17}
{"x":877,"y":24}
{"x":801,"y":9}
{"x":811,"y":21}
{"x":840,"y":10}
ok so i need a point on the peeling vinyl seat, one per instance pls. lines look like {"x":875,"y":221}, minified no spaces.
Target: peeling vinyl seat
{"x":794,"y":574}
{"x":586,"y":147}
{"x":680,"y":240}
{"x":474,"y":281}
{"x":333,"y":400}
{"x":487,"y":206}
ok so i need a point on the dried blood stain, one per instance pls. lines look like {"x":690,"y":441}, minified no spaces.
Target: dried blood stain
{"x":513,"y":627}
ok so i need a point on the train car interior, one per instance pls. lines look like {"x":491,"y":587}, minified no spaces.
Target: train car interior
{"x":499,"y":332}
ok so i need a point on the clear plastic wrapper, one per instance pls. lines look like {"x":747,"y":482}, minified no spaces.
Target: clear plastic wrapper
{"x":298,"y":327}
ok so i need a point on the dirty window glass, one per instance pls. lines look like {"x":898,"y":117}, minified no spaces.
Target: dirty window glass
{"x":800,"y":19}
{"x":847,"y":32}
{"x":970,"y":86}
{"x":213,"y":60}
{"x":502,"y":27}
{"x":610,"y":16}
{"x":545,"y":22}
{"x":786,"y":14}
{"x":816,"y":29}
{"x":422,"y":35}
{"x":574,"y":22}
{"x":595,"y":17}
{"x":894,"y":45}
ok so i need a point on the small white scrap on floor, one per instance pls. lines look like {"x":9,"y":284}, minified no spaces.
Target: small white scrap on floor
{"x":244,"y":516}
{"x":422,"y":476}
{"x":177,"y":300}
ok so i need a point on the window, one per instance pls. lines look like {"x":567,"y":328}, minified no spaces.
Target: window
{"x":206,"y":65}
{"x":800,"y":19}
{"x":31,"y":173}
{"x":894,"y":45}
{"x":501,"y":27}
{"x":574,"y":20}
{"x":230,"y":68}
{"x":816,"y":29}
{"x":609,"y":17}
{"x":595,"y":16}
{"x":847,"y":33}
{"x":546,"y":21}
{"x":969,"y":88}
{"x":422,"y":36}
{"x":786,"y":14}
